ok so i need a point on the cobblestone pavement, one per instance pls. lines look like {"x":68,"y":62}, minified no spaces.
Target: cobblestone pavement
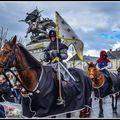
{"x":107,"y":108}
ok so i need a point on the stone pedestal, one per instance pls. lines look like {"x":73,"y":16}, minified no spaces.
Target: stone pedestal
{"x":36,"y":49}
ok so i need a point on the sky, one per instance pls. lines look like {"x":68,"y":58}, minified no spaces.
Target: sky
{"x":96,"y":23}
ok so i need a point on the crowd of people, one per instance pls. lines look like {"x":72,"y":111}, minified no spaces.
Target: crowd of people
{"x":8,"y":92}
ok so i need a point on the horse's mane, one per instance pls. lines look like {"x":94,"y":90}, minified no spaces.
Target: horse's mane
{"x":29,"y":58}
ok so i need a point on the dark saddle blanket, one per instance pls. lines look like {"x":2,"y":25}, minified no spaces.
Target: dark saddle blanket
{"x":106,"y":88}
{"x":44,"y":102}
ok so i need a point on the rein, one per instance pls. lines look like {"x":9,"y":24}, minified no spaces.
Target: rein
{"x":9,"y":70}
{"x":96,"y":77}
{"x":5,"y":66}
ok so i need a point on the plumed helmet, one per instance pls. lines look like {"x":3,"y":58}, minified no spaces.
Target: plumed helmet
{"x":103,"y":53}
{"x":52,"y":33}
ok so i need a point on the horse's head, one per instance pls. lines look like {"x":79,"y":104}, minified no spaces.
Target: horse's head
{"x":92,"y":70}
{"x":8,"y":54}
{"x":96,"y":76}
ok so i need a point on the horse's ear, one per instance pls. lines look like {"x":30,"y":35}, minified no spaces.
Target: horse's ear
{"x":13,"y":42}
{"x":95,"y":64}
{"x":88,"y":63}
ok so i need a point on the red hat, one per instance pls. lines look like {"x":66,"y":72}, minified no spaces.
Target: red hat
{"x":102,"y":53}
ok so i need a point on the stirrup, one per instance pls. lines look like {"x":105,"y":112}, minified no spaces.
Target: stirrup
{"x":60,"y":101}
{"x":112,"y":89}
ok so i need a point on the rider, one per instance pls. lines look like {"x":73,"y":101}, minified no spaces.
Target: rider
{"x":51,"y":51}
{"x":103,"y":64}
{"x":51,"y":55}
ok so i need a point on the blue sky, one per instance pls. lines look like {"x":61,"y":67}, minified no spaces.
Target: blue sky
{"x":96,"y":23}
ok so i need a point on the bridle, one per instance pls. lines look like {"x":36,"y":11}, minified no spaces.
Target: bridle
{"x":10,"y":60}
{"x":96,"y":77}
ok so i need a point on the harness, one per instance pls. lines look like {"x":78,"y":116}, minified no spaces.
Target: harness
{"x":5,"y":66}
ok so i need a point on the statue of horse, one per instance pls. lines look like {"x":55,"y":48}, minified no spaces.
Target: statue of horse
{"x":38,"y":82}
{"x":101,"y":86}
{"x":35,"y":30}
{"x":39,"y":27}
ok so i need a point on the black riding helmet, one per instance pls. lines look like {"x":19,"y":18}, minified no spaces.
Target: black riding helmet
{"x":52,"y":33}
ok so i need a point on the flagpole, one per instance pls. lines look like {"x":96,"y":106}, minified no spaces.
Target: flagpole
{"x":57,"y":37}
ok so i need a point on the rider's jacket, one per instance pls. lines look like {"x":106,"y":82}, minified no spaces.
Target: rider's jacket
{"x":51,"y":51}
{"x":103,"y":64}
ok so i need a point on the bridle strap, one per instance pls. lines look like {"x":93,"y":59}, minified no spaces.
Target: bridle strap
{"x":5,"y":66}
{"x":12,"y":57}
{"x":7,"y":79}
{"x":9,"y":70}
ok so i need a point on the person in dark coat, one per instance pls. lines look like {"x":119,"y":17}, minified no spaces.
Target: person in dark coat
{"x":2,"y":112}
{"x":51,"y":51}
{"x":5,"y":91}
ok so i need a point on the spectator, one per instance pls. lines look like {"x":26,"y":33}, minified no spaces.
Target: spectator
{"x":5,"y":91}
{"x":2,"y":112}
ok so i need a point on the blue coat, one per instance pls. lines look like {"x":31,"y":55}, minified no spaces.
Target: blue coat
{"x":102,"y":65}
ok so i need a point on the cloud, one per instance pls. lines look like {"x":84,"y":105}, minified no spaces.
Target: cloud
{"x":92,"y":52}
{"x":116,"y":45}
{"x":96,"y":23}
{"x":86,"y":20}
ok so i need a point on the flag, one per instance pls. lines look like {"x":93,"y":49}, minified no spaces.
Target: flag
{"x":65,"y":32}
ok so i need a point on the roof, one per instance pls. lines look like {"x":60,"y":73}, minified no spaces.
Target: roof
{"x":113,"y":54}
{"x":86,"y":58}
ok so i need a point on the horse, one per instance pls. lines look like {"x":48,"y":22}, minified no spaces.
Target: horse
{"x":38,"y":83}
{"x":118,"y":71}
{"x":101,"y":86}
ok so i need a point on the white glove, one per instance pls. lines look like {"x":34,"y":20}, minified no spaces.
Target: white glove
{"x":103,"y":68}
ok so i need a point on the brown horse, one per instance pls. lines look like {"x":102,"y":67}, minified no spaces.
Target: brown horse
{"x":101,"y":86}
{"x":38,"y":82}
{"x":96,"y":76}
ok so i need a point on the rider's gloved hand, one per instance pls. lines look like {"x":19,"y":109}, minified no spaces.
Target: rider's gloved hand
{"x":102,"y":68}
{"x":58,"y":55}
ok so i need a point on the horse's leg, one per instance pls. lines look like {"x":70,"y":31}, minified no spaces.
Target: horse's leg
{"x":115,"y":108}
{"x":113,"y":102}
{"x":101,"y":108}
{"x":91,"y":102}
{"x":68,"y":115}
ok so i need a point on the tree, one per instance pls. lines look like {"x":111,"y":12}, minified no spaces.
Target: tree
{"x":2,"y":36}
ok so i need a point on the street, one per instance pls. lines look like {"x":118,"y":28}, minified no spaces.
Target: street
{"x":107,"y":110}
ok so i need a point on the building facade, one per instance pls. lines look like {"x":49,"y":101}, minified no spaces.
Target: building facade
{"x":114,"y":57}
{"x":75,"y":62}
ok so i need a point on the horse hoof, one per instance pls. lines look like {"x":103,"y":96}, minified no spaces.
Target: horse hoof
{"x":114,"y":110}
{"x":101,"y":115}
